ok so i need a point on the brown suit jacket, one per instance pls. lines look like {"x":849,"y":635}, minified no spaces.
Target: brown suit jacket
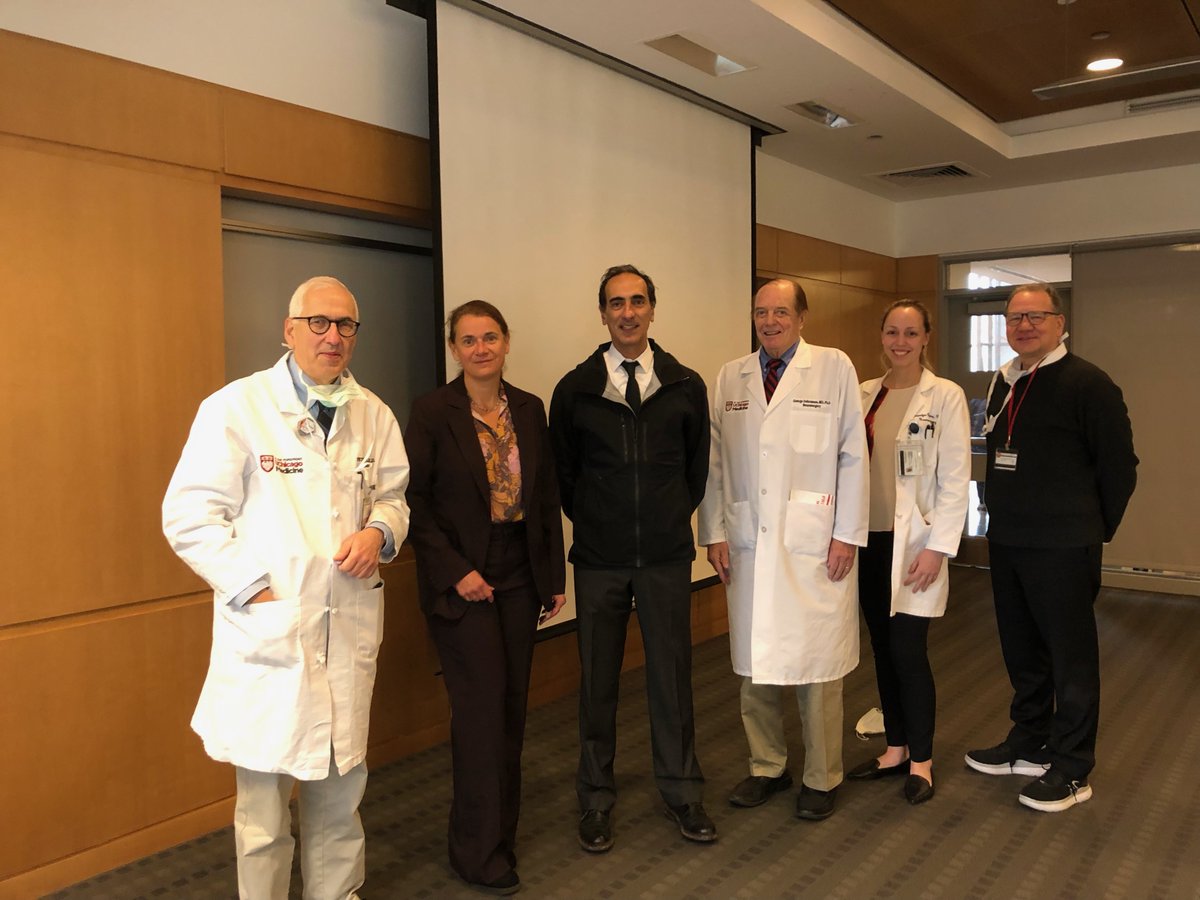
{"x":450,"y":500}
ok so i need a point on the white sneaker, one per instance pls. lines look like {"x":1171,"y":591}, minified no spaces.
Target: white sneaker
{"x":1054,"y":792}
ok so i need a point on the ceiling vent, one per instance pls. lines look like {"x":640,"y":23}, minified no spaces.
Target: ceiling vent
{"x":926,"y":174}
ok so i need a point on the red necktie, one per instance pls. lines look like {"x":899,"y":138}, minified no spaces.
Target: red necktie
{"x":771,"y":379}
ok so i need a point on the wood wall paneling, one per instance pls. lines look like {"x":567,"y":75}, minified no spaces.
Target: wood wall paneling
{"x":270,"y":140}
{"x":409,"y":708}
{"x":809,"y":257}
{"x":120,"y":271}
{"x":97,"y":741}
{"x":766,"y":248}
{"x":916,"y":274}
{"x":872,"y":271}
{"x":59,"y":93}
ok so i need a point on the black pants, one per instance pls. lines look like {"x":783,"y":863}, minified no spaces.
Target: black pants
{"x":603,"y":599}
{"x":899,"y":644}
{"x":1045,"y":611}
{"x":486,"y":657}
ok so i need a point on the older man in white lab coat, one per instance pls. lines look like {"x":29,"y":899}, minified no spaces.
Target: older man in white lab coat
{"x":288,"y":494}
{"x":783,"y":513}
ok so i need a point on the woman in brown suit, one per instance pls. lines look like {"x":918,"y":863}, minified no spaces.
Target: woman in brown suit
{"x":487,"y":531}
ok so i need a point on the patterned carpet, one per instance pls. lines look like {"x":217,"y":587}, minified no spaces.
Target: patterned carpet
{"x":1139,"y":836}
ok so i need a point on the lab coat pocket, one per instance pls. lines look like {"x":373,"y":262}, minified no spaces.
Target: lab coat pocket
{"x":370,"y":621}
{"x":918,"y":535}
{"x":808,"y":526}
{"x":739,"y":526}
{"x":266,"y":634}
{"x":810,"y":430}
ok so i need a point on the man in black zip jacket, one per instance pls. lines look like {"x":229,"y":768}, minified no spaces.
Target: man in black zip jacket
{"x":1060,"y":471}
{"x":630,"y":432}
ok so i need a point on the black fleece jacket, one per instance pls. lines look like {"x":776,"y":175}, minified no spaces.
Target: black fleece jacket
{"x":629,"y":483}
{"x":1076,"y":468}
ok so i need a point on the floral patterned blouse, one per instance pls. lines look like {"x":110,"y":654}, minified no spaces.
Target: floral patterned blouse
{"x":503,"y":463}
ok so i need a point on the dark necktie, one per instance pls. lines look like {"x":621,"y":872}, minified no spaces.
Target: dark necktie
{"x":633,"y":396}
{"x":771,"y":379}
{"x":325,"y":418}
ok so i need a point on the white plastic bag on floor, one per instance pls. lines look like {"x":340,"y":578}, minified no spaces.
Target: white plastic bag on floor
{"x":870,"y":724}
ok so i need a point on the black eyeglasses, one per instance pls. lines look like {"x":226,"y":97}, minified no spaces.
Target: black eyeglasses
{"x":1037,"y":317}
{"x":320,"y":325}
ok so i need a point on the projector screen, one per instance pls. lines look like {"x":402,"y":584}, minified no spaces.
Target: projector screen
{"x":554,"y":168}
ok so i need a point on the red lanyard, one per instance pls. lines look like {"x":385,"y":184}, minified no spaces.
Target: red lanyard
{"x":1012,"y":413}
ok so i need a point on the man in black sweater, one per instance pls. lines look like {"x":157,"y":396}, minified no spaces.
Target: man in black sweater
{"x":630,"y":432}
{"x":1060,"y":471}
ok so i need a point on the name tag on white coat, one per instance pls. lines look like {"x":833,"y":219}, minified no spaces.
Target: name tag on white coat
{"x":814,"y":497}
{"x":910,"y":459}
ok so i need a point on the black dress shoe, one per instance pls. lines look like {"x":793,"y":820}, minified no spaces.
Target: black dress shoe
{"x":917,"y":790}
{"x":871,"y":769}
{"x":694,"y":823}
{"x":508,"y":883}
{"x":813,"y":804}
{"x":758,"y":789}
{"x":595,"y":831}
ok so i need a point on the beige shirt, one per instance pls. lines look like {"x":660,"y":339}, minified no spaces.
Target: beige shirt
{"x":888,"y":419}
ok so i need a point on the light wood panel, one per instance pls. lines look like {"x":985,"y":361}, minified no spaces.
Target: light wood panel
{"x":117,"y":275}
{"x":872,"y":271}
{"x":97,"y":742}
{"x":267,"y":139}
{"x":59,"y":93}
{"x":809,"y":257}
{"x":916,"y":274}
{"x":766,"y":248}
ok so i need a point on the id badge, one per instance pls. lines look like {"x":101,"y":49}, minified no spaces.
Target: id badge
{"x":910,"y":459}
{"x":365,"y":501}
{"x":1006,"y":461}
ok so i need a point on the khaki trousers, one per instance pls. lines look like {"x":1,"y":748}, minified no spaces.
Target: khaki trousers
{"x":332,"y":857}
{"x":821,"y":718}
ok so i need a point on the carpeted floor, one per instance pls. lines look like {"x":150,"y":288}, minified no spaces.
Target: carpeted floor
{"x":1139,"y":836}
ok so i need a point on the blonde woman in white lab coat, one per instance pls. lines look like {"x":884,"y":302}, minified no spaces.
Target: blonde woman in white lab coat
{"x":918,"y":432}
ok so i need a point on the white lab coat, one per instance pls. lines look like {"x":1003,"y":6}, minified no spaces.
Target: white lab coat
{"x":931,"y":508}
{"x":257,"y":494}
{"x":783,"y":480}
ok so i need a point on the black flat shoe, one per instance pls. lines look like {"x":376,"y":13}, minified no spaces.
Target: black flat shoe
{"x":917,"y":790}
{"x":595,"y":831}
{"x":871,"y":769}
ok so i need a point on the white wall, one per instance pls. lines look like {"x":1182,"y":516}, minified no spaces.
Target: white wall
{"x":1156,"y":201}
{"x":801,"y":201}
{"x":360,"y":59}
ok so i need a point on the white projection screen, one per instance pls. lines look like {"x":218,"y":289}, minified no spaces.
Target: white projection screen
{"x":554,"y":168}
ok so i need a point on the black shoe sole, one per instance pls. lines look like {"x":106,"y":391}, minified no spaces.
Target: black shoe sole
{"x":596,"y":848}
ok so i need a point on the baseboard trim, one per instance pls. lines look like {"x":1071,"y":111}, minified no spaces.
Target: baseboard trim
{"x":112,"y":854}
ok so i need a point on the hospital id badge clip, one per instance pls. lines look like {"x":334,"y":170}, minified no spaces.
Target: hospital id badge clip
{"x":910,"y":458}
{"x":1006,"y":460}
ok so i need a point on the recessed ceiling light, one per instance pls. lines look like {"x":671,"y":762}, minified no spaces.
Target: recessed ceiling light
{"x":1105,"y":65}
{"x":821,"y":114}
{"x":1101,"y":35}
{"x":698,"y":57}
